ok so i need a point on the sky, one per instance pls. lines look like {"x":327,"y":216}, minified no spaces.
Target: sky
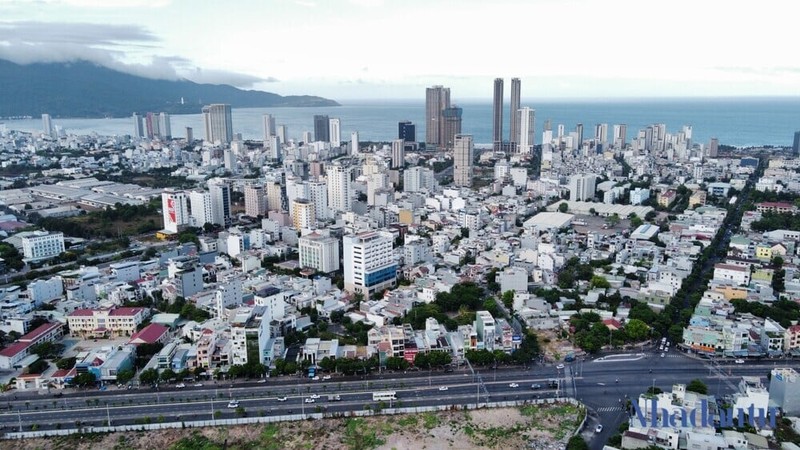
{"x":393,"y":49}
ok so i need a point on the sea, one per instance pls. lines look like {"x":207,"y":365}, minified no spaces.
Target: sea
{"x":735,"y":121}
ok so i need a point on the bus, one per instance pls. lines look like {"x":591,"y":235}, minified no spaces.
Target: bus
{"x":384,"y":396}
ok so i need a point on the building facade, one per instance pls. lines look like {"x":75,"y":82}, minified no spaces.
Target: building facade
{"x":369,"y":264}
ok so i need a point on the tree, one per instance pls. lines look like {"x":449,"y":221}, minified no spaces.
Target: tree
{"x":84,"y":379}
{"x":508,"y":299}
{"x":124,"y":376}
{"x":637,"y":330}
{"x":599,"y":282}
{"x":563,"y":207}
{"x":396,"y":363}
{"x":698,"y":386}
{"x":613,"y":220}
{"x":66,"y":363}
{"x":47,"y":350}
{"x":149,"y":376}
{"x":577,"y":443}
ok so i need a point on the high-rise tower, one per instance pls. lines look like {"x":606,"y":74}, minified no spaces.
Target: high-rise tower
{"x":450,"y":127}
{"x":437,"y":99}
{"x":513,"y":134}
{"x":218,"y":123}
{"x":462,"y":160}
{"x":269,"y":127}
{"x":526,"y":131}
{"x":335,"y":132}
{"x":497,"y":114}
{"x":322,"y":128}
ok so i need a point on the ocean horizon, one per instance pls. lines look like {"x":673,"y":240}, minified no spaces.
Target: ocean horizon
{"x":735,"y":121}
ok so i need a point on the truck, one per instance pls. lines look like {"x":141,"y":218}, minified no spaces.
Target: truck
{"x":334,"y":398}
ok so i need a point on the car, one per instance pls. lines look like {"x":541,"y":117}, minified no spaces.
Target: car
{"x":513,"y":385}
{"x":662,"y":355}
{"x":281,"y":399}
{"x":198,"y":385}
{"x":739,"y":361}
{"x":598,"y":429}
{"x":233,"y":404}
{"x":560,"y":366}
{"x":316,"y":378}
{"x":263,"y":380}
{"x":310,"y":400}
{"x":536,"y":386}
{"x":326,"y":378}
{"x":180,"y":385}
{"x":443,"y":388}
{"x":661,"y":348}
{"x":314,"y":396}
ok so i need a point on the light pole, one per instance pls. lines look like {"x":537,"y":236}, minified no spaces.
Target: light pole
{"x":108,"y":415}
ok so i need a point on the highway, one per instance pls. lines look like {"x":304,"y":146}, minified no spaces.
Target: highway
{"x":601,"y":383}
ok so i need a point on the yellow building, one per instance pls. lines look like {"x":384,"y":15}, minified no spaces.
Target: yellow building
{"x":764,"y":252}
{"x":732,"y":292}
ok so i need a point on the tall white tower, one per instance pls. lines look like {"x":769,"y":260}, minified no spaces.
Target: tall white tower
{"x":220,"y":201}
{"x":526,"y":130}
{"x":398,"y":153}
{"x":175,"y":210}
{"x":339,"y":191}
{"x":354,"y":143}
{"x":335,"y":131}
{"x":462,"y":160}
{"x":269,"y":127}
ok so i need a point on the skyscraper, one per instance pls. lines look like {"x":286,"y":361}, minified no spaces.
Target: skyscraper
{"x":513,"y":134}
{"x":164,"y":125}
{"x":526,"y":131}
{"x":497,"y":114}
{"x":335,"y":132}
{"x":255,"y":200}
{"x":339,"y":191}
{"x":47,"y":125}
{"x":582,"y":187}
{"x":269,"y":126}
{"x":354,"y":143}
{"x":796,"y":144}
{"x":462,"y":160}
{"x":398,"y":153}
{"x":200,"y":204}
{"x":220,"y":201}
{"x":218,"y":123}
{"x":322,"y":128}
{"x":152,"y":126}
{"x":189,"y":135}
{"x":620,"y":135}
{"x":579,"y":132}
{"x":450,"y":127}
{"x":407,"y":131}
{"x":713,"y":146}
{"x":437,"y":99}
{"x":138,"y":130}
{"x":303,"y":214}
{"x":283,"y":132}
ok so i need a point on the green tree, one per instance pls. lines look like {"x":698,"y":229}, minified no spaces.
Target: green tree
{"x":698,"y":386}
{"x":577,"y":443}
{"x":563,"y":207}
{"x":66,"y":363}
{"x":637,"y":330}
{"x":508,"y":299}
{"x":124,"y":376}
{"x":84,"y":379}
{"x":149,"y":376}
{"x":599,"y":282}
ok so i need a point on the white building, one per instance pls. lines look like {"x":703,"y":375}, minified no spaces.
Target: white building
{"x":513,"y":279}
{"x":354,"y":143}
{"x":220,"y":201}
{"x":200,"y":204}
{"x":318,"y":194}
{"x":369,"y":264}
{"x":398,"y":153}
{"x":526,"y":130}
{"x":485,"y":327}
{"x":339,"y":190}
{"x":41,"y":291}
{"x":269,"y":127}
{"x":737,"y":275}
{"x":334,"y":126}
{"x":175,"y":209}
{"x":319,"y":252}
{"x":638,"y":196}
{"x":416,"y":252}
{"x":255,"y":200}
{"x":43,"y":245}
{"x":416,"y":179}
{"x":582,"y":187}
{"x":229,"y":293}
{"x":304,"y":215}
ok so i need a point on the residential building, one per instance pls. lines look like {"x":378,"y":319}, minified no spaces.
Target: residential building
{"x":369,"y":264}
{"x":319,"y":252}
{"x":269,"y":127}
{"x":201,"y":210}
{"x":398,"y":154}
{"x":497,"y":115}
{"x":514,"y":121}
{"x":485,"y":327}
{"x":582,"y":187}
{"x":451,"y":126}
{"x":321,"y":128}
{"x":220,"y":201}
{"x":255,"y":200}
{"x":463,"y":154}
{"x":339,"y":190}
{"x":218,"y":123}
{"x":303,"y":214}
{"x":175,"y":209}
{"x":737,"y":275}
{"x":784,"y":390}
{"x":526,"y":131}
{"x":417,"y":179}
{"x":407,"y":131}
{"x":437,"y":99}
{"x":335,"y":132}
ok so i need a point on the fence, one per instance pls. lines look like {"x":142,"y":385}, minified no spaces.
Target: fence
{"x":287,"y":418}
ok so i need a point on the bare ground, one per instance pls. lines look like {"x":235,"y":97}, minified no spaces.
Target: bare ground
{"x":534,"y":427}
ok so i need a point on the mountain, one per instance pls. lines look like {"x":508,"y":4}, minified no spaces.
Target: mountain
{"x":84,"y":89}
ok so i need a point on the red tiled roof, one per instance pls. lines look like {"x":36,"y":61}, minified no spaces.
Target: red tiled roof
{"x":149,"y":334}
{"x":125,"y":311}
{"x":61,"y":373}
{"x":776,"y":204}
{"x":42,"y":329}
{"x":14,"y":349}
{"x":81,"y":312}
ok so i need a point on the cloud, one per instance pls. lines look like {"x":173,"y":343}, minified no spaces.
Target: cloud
{"x":305,"y":3}
{"x":111,"y":46}
{"x":99,"y":3}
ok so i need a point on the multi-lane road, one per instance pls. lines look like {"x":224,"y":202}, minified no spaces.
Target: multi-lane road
{"x":601,"y":383}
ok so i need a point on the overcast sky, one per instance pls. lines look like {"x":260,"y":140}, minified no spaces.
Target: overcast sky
{"x":373,"y":49}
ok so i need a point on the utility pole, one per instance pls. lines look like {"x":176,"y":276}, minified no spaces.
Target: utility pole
{"x":19,"y":416}
{"x":108,"y":415}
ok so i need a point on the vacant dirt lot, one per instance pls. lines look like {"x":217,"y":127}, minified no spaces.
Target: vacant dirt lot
{"x":543,"y":428}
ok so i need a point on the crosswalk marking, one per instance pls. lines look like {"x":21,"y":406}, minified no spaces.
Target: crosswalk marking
{"x":610,"y":409}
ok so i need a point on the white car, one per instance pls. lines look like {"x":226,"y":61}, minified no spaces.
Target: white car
{"x":513,"y":385}
{"x":326,"y":378}
{"x":739,"y":361}
{"x":314,"y":396}
{"x":310,"y":400}
{"x":233,"y":404}
{"x":560,"y":366}
{"x":263,"y":380}
{"x":316,"y":378}
{"x":598,"y":429}
{"x":198,"y":385}
{"x":180,"y":385}
{"x":443,"y":388}
{"x":281,"y":399}
{"x":662,"y":355}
